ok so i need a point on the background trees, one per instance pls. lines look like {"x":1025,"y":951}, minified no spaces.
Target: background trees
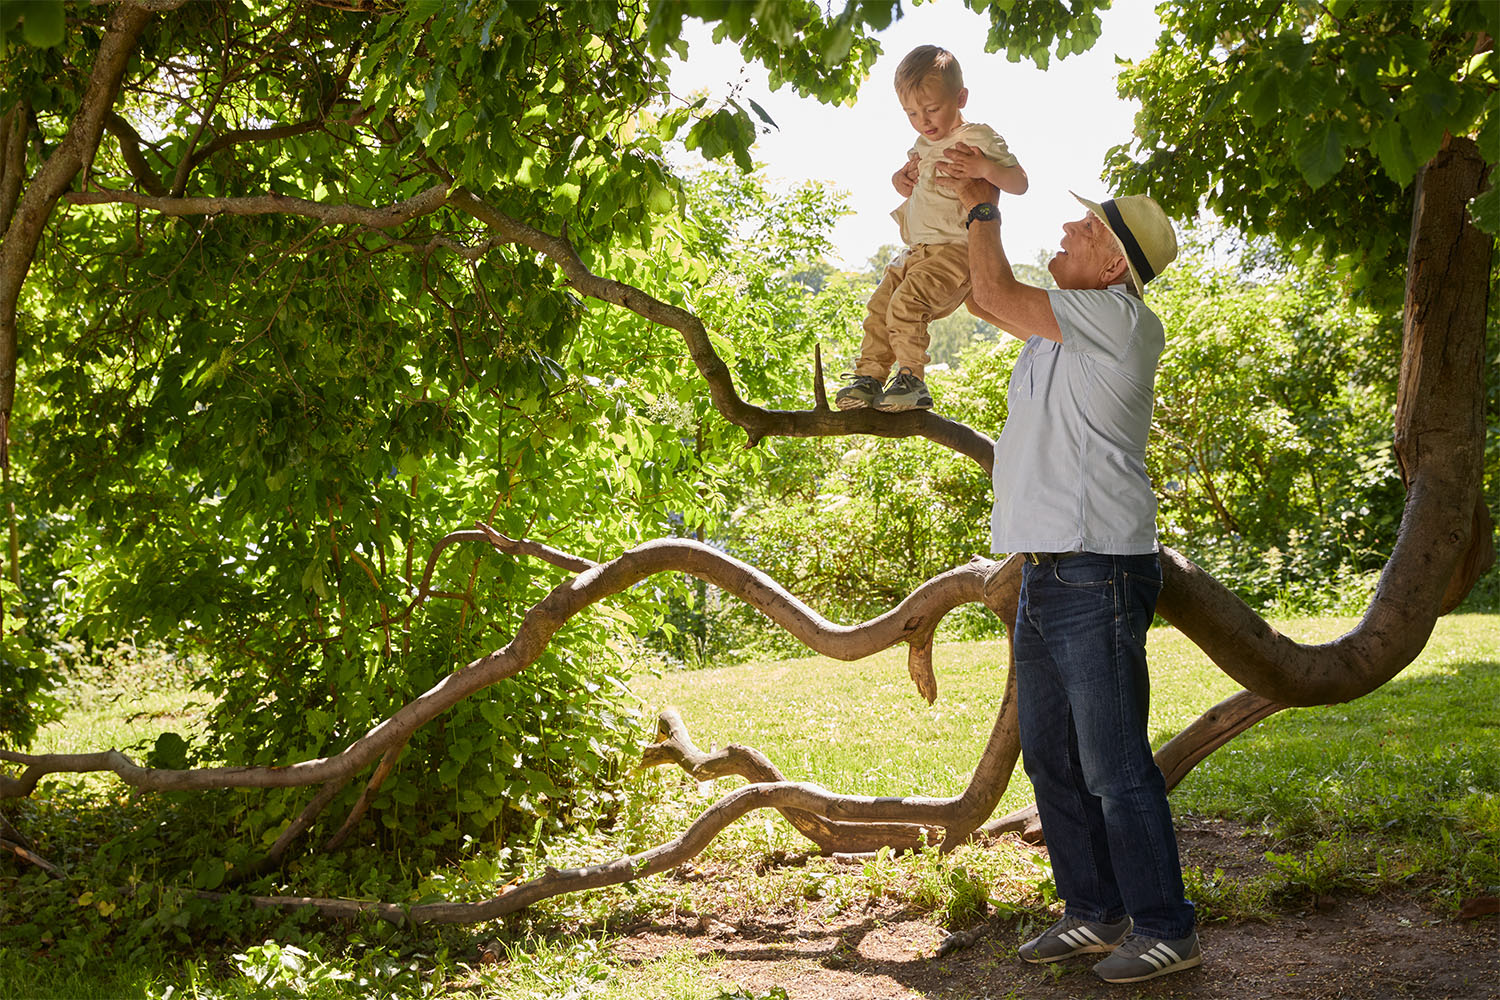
{"x":250,"y":408}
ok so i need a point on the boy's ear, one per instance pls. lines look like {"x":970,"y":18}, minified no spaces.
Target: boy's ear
{"x":963,"y":97}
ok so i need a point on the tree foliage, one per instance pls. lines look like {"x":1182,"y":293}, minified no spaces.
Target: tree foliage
{"x":246,"y":417}
{"x":1309,"y":122}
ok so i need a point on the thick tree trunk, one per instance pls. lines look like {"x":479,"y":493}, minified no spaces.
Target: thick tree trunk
{"x":1439,"y":433}
{"x":1444,"y":542}
{"x":18,"y":246}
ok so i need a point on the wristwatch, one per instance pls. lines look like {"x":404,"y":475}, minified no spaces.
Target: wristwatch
{"x":985,"y":211}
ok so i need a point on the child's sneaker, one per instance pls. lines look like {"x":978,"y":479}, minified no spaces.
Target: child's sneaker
{"x":1072,"y":936}
{"x":906,"y":392}
{"x":862,"y":391}
{"x":1141,"y":958}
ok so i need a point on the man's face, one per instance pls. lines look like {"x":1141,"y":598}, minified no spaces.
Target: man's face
{"x":1088,"y":254}
{"x":933,"y":111}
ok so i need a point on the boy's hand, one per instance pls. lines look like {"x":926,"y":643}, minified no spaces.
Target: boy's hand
{"x":905,"y":179}
{"x":963,"y":160}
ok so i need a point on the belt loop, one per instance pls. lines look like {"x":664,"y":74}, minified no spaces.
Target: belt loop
{"x":1031,"y":557}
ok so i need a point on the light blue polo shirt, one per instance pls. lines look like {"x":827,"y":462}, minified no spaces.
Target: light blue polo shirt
{"x":1070,"y":464}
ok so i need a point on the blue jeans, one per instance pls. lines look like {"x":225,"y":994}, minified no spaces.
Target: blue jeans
{"x":1080,"y":648}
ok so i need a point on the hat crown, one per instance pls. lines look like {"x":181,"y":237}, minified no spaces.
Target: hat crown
{"x":1151,"y":229}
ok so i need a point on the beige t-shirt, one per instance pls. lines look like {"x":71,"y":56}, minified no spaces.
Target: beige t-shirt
{"x":933,"y":214}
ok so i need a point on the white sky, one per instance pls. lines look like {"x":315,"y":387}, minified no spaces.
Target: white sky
{"x":1059,"y":123}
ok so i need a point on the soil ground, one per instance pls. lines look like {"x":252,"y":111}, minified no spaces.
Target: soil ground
{"x":1349,"y":946}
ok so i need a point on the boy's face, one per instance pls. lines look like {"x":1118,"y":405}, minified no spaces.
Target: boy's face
{"x":933,"y":110}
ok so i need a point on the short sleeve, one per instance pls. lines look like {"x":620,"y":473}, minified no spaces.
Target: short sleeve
{"x":1106,"y":325}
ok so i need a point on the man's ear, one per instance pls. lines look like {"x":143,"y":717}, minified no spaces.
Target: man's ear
{"x":1115,"y":271}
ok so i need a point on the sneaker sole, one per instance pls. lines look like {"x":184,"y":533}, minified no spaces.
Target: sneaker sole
{"x":903,"y":407}
{"x":1092,"y":949}
{"x":851,"y":404}
{"x":1187,"y":963}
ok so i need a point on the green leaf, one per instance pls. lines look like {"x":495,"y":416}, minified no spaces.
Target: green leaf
{"x":1393,"y":149}
{"x":43,"y":22}
{"x":1320,"y":153}
{"x":1485,"y":211}
{"x":170,"y":752}
{"x":1265,"y":97}
{"x":763,"y":116}
{"x":836,"y":48}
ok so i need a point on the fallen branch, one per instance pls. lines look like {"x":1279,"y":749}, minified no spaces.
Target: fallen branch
{"x":29,"y":856}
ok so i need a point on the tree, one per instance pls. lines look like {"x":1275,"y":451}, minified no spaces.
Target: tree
{"x":447,"y":171}
{"x":1269,"y":450}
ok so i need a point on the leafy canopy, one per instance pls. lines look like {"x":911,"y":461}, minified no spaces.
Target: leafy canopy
{"x":1308,"y":122}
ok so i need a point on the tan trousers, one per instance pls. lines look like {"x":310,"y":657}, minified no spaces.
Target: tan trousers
{"x":931,"y":282}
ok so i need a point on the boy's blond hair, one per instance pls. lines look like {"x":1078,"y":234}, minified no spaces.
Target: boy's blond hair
{"x":928,"y":62}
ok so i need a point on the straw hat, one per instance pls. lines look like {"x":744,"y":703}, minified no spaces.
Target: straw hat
{"x":1143,"y":231}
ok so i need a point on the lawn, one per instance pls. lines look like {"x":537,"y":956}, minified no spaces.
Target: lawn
{"x":1396,"y":791}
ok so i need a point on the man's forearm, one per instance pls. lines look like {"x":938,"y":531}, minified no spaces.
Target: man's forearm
{"x":1020,"y":309}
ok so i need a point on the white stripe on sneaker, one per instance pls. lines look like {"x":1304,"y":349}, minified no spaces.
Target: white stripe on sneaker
{"x":1160,"y":956}
{"x":1079,"y":937}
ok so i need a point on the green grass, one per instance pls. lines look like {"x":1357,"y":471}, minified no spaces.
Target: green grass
{"x":1415,"y":763}
{"x":1396,"y":789}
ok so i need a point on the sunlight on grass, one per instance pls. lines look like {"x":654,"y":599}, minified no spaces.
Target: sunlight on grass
{"x":1415,"y":762}
{"x":545,"y":968}
{"x":1398,"y":788}
{"x":861,"y":727}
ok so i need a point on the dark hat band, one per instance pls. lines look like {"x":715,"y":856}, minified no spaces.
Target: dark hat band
{"x":1133,"y":251}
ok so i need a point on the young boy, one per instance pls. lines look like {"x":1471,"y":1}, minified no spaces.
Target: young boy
{"x":930,"y":278}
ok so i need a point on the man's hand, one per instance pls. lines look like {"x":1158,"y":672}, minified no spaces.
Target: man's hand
{"x":970,"y":192}
{"x":905,"y":179}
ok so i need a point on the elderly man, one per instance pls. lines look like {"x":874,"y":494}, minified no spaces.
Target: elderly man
{"x":1072,"y":495}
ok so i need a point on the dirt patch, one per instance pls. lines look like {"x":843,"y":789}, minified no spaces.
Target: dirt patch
{"x":1348,"y":946}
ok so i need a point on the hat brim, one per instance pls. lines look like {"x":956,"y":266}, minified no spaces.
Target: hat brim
{"x":1098,"y":210}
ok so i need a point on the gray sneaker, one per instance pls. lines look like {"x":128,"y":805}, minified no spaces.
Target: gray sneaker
{"x":862,"y":391}
{"x":1071,"y":936}
{"x":905,"y":392}
{"x":1141,"y":958}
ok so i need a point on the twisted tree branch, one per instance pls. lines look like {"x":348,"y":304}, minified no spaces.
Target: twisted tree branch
{"x":382,"y":217}
{"x":913,"y":618}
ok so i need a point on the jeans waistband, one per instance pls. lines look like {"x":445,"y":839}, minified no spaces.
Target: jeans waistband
{"x":1037,"y":558}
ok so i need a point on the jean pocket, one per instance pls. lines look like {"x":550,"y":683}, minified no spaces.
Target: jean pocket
{"x":1084,"y":572}
{"x":1140,"y":591}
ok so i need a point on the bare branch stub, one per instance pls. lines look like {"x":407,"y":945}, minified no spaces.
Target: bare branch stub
{"x":820,"y":391}
{"x":919,"y":666}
